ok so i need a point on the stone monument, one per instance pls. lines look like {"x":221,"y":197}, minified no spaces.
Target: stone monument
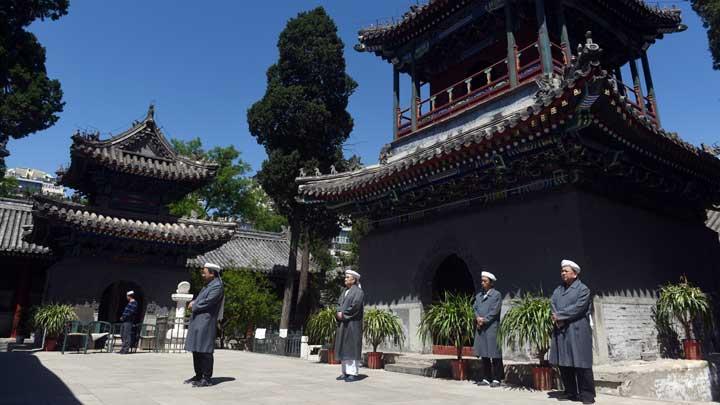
{"x":176,"y":335}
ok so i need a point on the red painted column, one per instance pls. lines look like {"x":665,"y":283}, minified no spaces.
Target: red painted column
{"x":22,"y":299}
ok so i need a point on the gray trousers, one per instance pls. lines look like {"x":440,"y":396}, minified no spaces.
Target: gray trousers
{"x":126,"y":333}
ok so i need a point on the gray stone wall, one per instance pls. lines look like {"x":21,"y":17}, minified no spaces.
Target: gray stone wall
{"x":628,"y":326}
{"x":82,"y":281}
{"x":625,"y":252}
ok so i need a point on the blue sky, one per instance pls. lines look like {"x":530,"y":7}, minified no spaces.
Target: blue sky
{"x":203,"y":64}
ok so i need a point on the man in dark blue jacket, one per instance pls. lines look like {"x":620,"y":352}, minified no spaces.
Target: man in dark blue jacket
{"x":128,"y":317}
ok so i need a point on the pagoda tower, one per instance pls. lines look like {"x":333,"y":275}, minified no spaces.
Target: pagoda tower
{"x":123,"y":238}
{"x":522,"y":144}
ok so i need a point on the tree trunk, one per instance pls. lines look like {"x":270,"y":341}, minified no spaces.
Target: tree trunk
{"x":304,"y":273}
{"x":290,"y":279}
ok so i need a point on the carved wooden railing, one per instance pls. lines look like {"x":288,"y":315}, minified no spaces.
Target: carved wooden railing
{"x":641,"y":103}
{"x":479,"y":87}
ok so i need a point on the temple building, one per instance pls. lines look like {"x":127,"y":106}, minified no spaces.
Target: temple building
{"x":123,"y":238}
{"x":521,"y":145}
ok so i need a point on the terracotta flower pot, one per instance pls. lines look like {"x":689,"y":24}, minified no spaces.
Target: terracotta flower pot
{"x":452,"y":351}
{"x":692,"y":349}
{"x":50,"y":344}
{"x":331,"y":357}
{"x":459,"y":369}
{"x":375,"y":360}
{"x":542,"y":378}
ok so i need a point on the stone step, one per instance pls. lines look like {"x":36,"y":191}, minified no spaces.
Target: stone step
{"x":415,"y":362}
{"x":23,"y":347}
{"x":414,"y":369}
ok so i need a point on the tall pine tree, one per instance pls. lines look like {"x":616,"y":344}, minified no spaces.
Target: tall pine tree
{"x":302,"y":121}
{"x":709,"y":12}
{"x":29,"y":100}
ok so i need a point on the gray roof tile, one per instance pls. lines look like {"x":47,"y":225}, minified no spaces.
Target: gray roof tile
{"x":15,"y":215}
{"x":261,"y":251}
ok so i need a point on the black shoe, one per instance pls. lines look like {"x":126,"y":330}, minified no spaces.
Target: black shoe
{"x":495,"y":383}
{"x":352,"y":378}
{"x":202,"y":383}
{"x":191,"y":380}
{"x":341,"y":377}
{"x":588,"y":401}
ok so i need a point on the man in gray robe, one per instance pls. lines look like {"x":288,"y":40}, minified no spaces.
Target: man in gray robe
{"x":206,"y":310}
{"x":487,"y":318}
{"x":348,"y":339}
{"x":571,"y":345}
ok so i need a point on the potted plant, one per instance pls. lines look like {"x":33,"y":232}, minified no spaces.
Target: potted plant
{"x":321,"y":328}
{"x":452,"y":320}
{"x":687,"y":304}
{"x":51,"y":318}
{"x":381,"y":325}
{"x":529,"y":323}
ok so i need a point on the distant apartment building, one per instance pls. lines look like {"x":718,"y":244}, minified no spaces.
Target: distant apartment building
{"x":340,"y":244}
{"x":33,"y":181}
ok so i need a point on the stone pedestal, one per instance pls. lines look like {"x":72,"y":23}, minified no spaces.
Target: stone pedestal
{"x":181,"y":298}
{"x":304,"y":348}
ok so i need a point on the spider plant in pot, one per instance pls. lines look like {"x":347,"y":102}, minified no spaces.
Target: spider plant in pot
{"x":687,"y":304}
{"x":51,"y":318}
{"x":321,"y":328}
{"x":453,"y":320}
{"x":380,"y":325}
{"x":528,"y":323}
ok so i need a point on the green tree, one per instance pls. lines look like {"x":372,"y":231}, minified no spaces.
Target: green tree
{"x":29,"y":100}
{"x":262,"y":213}
{"x":228,"y":195}
{"x":231,"y":194}
{"x":249,"y":303}
{"x":302,"y":121}
{"x":709,"y":12}
{"x":9,"y":187}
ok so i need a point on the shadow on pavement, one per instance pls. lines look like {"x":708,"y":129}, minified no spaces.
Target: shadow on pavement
{"x":513,"y":387}
{"x":26,"y":381}
{"x":220,"y":380}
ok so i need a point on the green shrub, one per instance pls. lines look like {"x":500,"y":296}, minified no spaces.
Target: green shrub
{"x":52,"y":318}
{"x":528,"y":323}
{"x":380,"y":325}
{"x":452,"y":320}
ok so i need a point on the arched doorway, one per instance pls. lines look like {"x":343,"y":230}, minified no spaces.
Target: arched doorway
{"x":114,"y":299}
{"x":452,"y":275}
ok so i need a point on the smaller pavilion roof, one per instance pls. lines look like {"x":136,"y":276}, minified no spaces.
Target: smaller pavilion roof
{"x":142,"y":150}
{"x":266,"y":252}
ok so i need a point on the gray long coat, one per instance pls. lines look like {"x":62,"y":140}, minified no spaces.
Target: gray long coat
{"x":571,"y":345}
{"x":348,"y":339}
{"x":488,"y":306}
{"x":203,"y":321}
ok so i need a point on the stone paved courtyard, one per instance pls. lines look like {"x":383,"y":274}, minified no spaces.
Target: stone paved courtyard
{"x":241,"y":377}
